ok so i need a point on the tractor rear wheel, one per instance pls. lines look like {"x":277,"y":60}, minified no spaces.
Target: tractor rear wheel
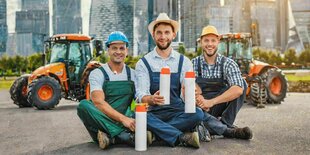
{"x":44,"y":93}
{"x":276,"y":85}
{"x":255,"y":95}
{"x":18,"y":92}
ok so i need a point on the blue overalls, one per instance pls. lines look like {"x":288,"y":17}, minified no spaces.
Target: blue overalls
{"x":213,"y":87}
{"x":168,"y":122}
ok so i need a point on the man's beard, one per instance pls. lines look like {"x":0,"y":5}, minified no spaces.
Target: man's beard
{"x":163,"y":47}
{"x":210,"y":55}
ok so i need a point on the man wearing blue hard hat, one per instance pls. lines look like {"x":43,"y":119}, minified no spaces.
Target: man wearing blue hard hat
{"x":108,"y":117}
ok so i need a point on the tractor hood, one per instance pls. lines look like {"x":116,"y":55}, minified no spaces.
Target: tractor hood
{"x":256,"y":62}
{"x":57,"y":69}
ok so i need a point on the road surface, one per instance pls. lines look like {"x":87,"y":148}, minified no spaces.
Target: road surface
{"x":278,"y":129}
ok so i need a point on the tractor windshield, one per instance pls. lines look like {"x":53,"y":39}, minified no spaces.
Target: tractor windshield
{"x":58,"y":53}
{"x":240,"y":49}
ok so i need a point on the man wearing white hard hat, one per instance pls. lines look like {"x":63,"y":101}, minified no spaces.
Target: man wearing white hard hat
{"x":222,"y":87}
{"x":168,"y":122}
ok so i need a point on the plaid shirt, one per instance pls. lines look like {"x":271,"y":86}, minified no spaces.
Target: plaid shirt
{"x":231,"y":70}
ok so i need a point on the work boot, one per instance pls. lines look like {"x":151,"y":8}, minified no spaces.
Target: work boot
{"x":150,"y":137}
{"x":103,"y":140}
{"x":190,"y":139}
{"x":126,"y":137}
{"x":240,"y":133}
{"x":203,"y":133}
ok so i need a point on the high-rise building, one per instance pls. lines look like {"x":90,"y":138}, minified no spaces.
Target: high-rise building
{"x":263,"y":14}
{"x":140,"y":31}
{"x":67,"y":16}
{"x":34,"y":5}
{"x":301,"y":14}
{"x":3,"y":27}
{"x":195,"y":14}
{"x":107,"y":16}
{"x":32,"y":27}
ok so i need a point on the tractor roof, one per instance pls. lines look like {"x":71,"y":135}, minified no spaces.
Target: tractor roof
{"x":236,"y":35}
{"x":70,"y":37}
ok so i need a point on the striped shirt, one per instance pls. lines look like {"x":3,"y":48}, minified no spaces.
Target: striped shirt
{"x":231,"y":70}
{"x":156,"y":63}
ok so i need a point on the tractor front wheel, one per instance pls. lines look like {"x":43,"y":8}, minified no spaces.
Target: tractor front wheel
{"x":257,"y":96}
{"x":44,"y":93}
{"x":276,"y":85}
{"x":18,"y":92}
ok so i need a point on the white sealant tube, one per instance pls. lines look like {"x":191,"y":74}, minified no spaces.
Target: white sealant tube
{"x":164,"y":84}
{"x":189,"y":84}
{"x":140,"y":133}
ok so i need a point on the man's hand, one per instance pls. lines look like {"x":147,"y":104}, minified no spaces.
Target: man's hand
{"x":157,"y":99}
{"x":129,"y":123}
{"x":203,"y":103}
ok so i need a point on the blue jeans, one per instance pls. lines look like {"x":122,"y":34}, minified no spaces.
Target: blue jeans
{"x":169,"y":123}
{"x":228,"y":111}
{"x":214,"y":126}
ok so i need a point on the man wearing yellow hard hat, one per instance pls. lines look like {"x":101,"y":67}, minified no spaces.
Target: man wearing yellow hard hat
{"x":222,"y":86}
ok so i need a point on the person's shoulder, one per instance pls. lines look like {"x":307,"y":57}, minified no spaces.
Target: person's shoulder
{"x":229,"y":61}
{"x":98,"y":70}
{"x":195,"y":58}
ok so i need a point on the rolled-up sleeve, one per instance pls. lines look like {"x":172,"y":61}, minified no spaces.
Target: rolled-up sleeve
{"x":187,"y":66}
{"x":143,"y":80}
{"x":96,"y":80}
{"x":233,"y":74}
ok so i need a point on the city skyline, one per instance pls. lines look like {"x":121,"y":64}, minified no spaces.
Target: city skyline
{"x":15,"y":5}
{"x":267,"y":20}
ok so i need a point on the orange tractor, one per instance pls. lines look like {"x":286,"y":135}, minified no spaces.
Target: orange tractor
{"x":266,"y":83}
{"x":65,"y":75}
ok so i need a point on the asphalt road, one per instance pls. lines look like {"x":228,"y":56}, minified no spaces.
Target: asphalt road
{"x":278,"y":129}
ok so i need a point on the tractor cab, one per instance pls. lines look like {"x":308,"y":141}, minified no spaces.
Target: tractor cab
{"x":237,"y":46}
{"x":72,"y":50}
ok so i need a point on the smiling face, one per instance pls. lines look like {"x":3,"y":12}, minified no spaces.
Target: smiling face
{"x":117,"y":52}
{"x":163,"y":35}
{"x":209,"y":44}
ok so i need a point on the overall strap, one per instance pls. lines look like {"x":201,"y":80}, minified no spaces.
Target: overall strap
{"x":128,"y":73}
{"x":199,"y":67}
{"x":148,"y":68}
{"x":106,"y":76}
{"x":222,"y":66}
{"x":180,"y":63}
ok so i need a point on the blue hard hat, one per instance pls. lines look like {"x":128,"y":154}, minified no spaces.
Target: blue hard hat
{"x":116,"y":36}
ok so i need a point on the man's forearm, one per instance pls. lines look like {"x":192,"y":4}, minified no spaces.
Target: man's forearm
{"x":105,"y":108}
{"x":232,"y":93}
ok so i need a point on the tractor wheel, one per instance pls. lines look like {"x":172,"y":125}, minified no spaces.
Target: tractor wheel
{"x":44,"y":93}
{"x":18,"y":92}
{"x":255,"y":95}
{"x":276,"y":85}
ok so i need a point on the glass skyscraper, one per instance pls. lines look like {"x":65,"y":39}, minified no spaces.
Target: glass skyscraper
{"x":32,"y":27}
{"x":3,"y":27}
{"x":67,"y":16}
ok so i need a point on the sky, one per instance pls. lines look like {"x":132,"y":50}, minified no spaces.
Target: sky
{"x":14,"y":5}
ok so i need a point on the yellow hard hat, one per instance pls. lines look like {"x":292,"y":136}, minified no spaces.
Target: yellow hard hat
{"x":209,"y":30}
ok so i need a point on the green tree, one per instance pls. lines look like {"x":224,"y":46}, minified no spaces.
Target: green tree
{"x":34,"y":61}
{"x":274,"y":58}
{"x":304,"y":57}
{"x":19,"y":63}
{"x":182,"y":49}
{"x":3,"y":65}
{"x":290,"y":56}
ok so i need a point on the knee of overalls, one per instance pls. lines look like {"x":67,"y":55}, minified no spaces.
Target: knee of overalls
{"x":84,"y":104}
{"x":198,"y":116}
